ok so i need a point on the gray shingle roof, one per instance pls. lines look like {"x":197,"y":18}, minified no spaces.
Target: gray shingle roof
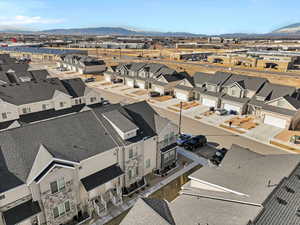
{"x":74,"y":137}
{"x":21,"y":212}
{"x":200,"y":78}
{"x":276,"y":212}
{"x":28,"y":92}
{"x":246,"y":82}
{"x":161,"y":207}
{"x":101,"y":177}
{"x":119,"y":120}
{"x":75,"y":87}
{"x":273,"y":91}
{"x":271,"y":108}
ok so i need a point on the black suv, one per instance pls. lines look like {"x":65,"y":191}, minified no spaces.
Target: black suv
{"x":195,"y":142}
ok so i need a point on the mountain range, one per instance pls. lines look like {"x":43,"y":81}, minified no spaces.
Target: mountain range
{"x":115,"y":31}
{"x":293,"y":29}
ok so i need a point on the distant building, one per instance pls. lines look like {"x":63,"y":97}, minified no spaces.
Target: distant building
{"x":82,"y":64}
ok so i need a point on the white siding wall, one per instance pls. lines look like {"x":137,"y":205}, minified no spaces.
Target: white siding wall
{"x":14,"y":194}
{"x":10,"y":110}
{"x":97,"y":163}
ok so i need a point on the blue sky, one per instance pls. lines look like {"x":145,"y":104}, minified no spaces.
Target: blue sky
{"x":197,"y":16}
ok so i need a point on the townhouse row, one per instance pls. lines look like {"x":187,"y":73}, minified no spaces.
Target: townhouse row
{"x":82,"y":64}
{"x":75,"y":166}
{"x":273,"y":104}
{"x":49,"y":94}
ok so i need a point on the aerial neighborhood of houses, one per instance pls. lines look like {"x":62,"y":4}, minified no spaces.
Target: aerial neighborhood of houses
{"x":131,"y":141}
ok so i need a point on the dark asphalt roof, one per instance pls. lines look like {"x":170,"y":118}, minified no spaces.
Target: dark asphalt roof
{"x":271,"y":108}
{"x":21,"y":212}
{"x":119,"y":120}
{"x":48,"y":114}
{"x":293,"y":101}
{"x":33,"y":91}
{"x":246,"y":82}
{"x":42,"y":50}
{"x":160,"y":207}
{"x":282,"y":207}
{"x":137,"y":66}
{"x":75,"y":87}
{"x":219,"y":78}
{"x":39,"y":74}
{"x":200,"y":78}
{"x":143,"y":116}
{"x":183,"y":87}
{"x":273,"y":91}
{"x":73,"y":137}
{"x":101,"y":177}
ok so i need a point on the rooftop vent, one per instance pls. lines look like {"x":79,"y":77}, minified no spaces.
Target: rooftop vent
{"x":290,"y":190}
{"x":281,"y":201}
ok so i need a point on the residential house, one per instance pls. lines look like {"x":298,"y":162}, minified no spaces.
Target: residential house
{"x":208,"y":88}
{"x":184,"y":89}
{"x":64,"y":169}
{"x":41,"y":95}
{"x":246,"y":189}
{"x":82,"y":64}
{"x":147,"y":210}
{"x":238,"y":90}
{"x":276,"y":105}
{"x":154,"y":76}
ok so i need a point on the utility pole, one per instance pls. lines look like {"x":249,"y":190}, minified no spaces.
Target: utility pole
{"x":180,"y":115}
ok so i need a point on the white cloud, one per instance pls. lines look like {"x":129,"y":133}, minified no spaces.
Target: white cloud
{"x":26,"y":20}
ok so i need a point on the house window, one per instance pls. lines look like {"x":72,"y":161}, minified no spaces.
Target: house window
{"x":166,"y":139}
{"x":61,"y":209}
{"x":172,"y":135}
{"x":57,"y":186}
{"x":130,"y":153}
{"x":78,"y":101}
{"x":2,"y":197}
{"x":148,"y":163}
{"x":44,"y":106}
{"x":136,"y":171}
{"x":61,"y":104}
{"x":4,"y":116}
{"x":93,"y":99}
{"x":26,"y":110}
{"x":129,"y":174}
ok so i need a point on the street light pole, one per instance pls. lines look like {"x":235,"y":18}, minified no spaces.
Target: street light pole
{"x":180,"y":115}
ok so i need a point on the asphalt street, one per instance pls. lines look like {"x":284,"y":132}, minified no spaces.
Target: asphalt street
{"x":215,"y":136}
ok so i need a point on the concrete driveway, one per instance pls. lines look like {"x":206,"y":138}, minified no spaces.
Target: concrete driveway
{"x":264,"y":132}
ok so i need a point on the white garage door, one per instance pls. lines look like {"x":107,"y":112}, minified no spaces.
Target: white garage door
{"x":209,"y":102}
{"x":107,"y":78}
{"x":158,"y":89}
{"x":130,"y":83}
{"x":229,"y":107}
{"x":275,"y":121}
{"x":141,"y":85}
{"x":181,"y":96}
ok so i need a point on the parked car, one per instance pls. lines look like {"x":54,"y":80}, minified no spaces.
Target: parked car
{"x":90,"y":79}
{"x":183,"y":138}
{"x":221,"y":112}
{"x":62,"y":69}
{"x":233,"y":112}
{"x":117,"y":80}
{"x":195,"y":142}
{"x":105,"y":102}
{"x":219,"y":155}
{"x":154,"y":94}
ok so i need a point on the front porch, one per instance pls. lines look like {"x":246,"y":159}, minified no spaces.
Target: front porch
{"x":102,"y":202}
{"x":135,"y":187}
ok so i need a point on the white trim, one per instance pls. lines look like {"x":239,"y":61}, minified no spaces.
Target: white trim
{"x":217,"y":186}
{"x":55,"y":165}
